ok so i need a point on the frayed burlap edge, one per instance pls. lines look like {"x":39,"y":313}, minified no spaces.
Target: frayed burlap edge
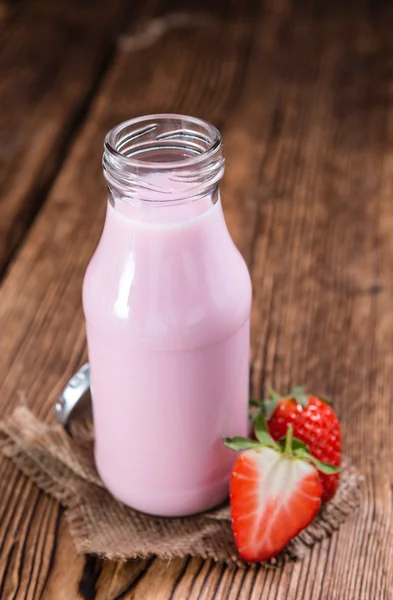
{"x":63,"y":467}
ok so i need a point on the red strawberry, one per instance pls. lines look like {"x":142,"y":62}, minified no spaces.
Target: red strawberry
{"x":314,"y":423}
{"x":275,"y":492}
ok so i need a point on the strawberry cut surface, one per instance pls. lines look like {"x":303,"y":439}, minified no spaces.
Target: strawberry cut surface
{"x":273,"y":497}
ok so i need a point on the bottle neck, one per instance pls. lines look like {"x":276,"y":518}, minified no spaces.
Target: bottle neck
{"x":163,"y":212}
{"x":165,"y":166}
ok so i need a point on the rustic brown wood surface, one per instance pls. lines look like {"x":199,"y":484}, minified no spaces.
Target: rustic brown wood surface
{"x":51,"y":63}
{"x":303,"y":95}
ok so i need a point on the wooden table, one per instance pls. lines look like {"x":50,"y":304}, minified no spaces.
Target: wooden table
{"x":303,"y":96}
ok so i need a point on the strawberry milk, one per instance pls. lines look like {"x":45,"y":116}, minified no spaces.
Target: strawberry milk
{"x":167,"y":303}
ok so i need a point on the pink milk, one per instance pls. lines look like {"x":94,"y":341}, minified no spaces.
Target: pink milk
{"x":167,"y":303}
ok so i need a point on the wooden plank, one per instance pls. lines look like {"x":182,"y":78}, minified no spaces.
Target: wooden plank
{"x":303,"y":98}
{"x":52,"y":57}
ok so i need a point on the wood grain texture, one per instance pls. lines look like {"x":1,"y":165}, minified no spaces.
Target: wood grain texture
{"x":303,"y":97}
{"x":51,"y":63}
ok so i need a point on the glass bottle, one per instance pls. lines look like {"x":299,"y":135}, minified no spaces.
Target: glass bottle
{"x":167,"y":304}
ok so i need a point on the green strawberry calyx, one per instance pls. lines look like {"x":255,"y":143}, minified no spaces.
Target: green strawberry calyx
{"x":287,"y":446}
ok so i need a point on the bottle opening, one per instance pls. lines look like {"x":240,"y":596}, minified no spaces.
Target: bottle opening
{"x":176,"y":155}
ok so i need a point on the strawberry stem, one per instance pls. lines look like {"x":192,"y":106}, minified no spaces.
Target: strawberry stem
{"x":288,"y":441}
{"x":273,"y":394}
{"x":257,"y":403}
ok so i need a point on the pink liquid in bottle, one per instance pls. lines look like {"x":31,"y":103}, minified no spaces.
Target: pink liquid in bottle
{"x":167,"y":302}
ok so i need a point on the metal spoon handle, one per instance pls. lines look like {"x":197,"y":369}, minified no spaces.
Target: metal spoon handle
{"x":70,"y":397}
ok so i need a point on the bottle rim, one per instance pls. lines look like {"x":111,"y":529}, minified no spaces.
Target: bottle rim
{"x":130,"y":146}
{"x":118,"y":136}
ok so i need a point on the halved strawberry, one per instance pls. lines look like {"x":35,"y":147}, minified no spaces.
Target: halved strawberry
{"x":275,"y":492}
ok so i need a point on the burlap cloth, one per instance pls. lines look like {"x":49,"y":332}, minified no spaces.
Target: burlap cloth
{"x":61,"y":463}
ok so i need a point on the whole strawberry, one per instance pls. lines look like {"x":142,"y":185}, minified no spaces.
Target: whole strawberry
{"x":314,"y":423}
